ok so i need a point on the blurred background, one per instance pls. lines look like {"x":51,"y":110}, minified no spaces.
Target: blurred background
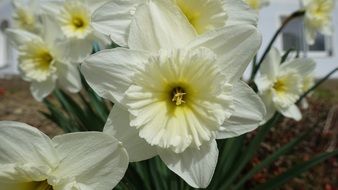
{"x":17,"y":104}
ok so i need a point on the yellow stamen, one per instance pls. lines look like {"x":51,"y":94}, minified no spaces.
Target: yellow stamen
{"x":178,"y":96}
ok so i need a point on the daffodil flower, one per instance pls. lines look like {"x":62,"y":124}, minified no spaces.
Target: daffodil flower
{"x":41,"y":62}
{"x":176,"y":93}
{"x":281,"y":85}
{"x":318,"y":18}
{"x":115,"y":17}
{"x":26,"y":16}
{"x":257,"y":4}
{"x":30,"y":160}
{"x":74,"y":20}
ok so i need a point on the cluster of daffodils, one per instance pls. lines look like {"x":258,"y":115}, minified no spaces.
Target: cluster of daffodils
{"x":175,"y":82}
{"x":282,"y":84}
{"x":318,"y":18}
{"x":52,"y":39}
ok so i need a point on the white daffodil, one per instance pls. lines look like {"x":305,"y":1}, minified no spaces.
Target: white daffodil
{"x":318,"y":18}
{"x":30,"y":160}
{"x":74,"y":20}
{"x":42,"y":64}
{"x":115,"y":17}
{"x":175,"y":96}
{"x":257,"y":4}
{"x":26,"y":15}
{"x":281,"y":85}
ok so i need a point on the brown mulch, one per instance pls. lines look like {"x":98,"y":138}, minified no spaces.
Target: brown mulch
{"x":17,"y":104}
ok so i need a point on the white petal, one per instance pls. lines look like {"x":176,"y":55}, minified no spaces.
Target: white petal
{"x":114,"y":19}
{"x":51,"y":29}
{"x":118,"y":126}
{"x":310,"y":34}
{"x":95,"y":4}
{"x":20,"y":37}
{"x":292,"y":112}
{"x":235,"y":47}
{"x":93,"y":159}
{"x":196,"y":167}
{"x":159,"y":25}
{"x":109,"y":72}
{"x":24,"y":151}
{"x":240,"y":13}
{"x":249,"y":112}
{"x":102,"y":40}
{"x":74,"y":50}
{"x":303,"y":66}
{"x":263,"y":83}
{"x":41,"y":90}
{"x":69,"y":77}
{"x":269,"y":106}
{"x":51,"y":6}
{"x":328,"y":29}
{"x":270,"y":65}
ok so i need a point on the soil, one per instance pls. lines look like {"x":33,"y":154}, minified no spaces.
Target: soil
{"x":17,"y":104}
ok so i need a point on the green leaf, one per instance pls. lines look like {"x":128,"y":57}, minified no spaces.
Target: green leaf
{"x":141,"y":170}
{"x":59,"y":118}
{"x":295,"y":171}
{"x":97,"y":103}
{"x":77,"y":113}
{"x":228,"y":156}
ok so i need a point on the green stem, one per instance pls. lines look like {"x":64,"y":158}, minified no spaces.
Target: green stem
{"x":274,"y":38}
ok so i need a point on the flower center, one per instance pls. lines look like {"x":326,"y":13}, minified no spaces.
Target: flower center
{"x":280,"y":86}
{"x":78,"y":22}
{"x":178,"y":96}
{"x":75,"y":20}
{"x":44,"y":60}
{"x":42,"y":185}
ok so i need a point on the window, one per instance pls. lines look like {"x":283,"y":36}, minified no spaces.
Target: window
{"x":4,"y":46}
{"x":293,"y":38}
